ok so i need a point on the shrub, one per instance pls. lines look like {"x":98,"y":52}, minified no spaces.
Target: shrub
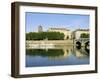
{"x":44,"y":35}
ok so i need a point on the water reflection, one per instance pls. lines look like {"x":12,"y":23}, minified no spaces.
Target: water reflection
{"x":58,"y":55}
{"x":45,"y":53}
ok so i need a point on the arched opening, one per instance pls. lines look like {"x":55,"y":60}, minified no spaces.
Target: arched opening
{"x":78,"y":45}
{"x":87,"y":45}
{"x":67,"y":37}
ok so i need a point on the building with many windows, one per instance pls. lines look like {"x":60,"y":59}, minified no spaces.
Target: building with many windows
{"x":77,"y":33}
{"x":66,"y":32}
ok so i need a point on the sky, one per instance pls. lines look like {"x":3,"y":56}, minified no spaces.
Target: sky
{"x":47,"y":20}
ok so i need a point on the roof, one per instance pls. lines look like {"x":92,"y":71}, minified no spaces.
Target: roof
{"x":82,"y":30}
{"x":59,"y":29}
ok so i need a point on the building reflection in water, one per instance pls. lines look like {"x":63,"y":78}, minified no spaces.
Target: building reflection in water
{"x":59,"y":52}
{"x":69,"y":50}
{"x":58,"y":55}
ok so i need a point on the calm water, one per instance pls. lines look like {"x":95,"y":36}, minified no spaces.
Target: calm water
{"x":56,"y":56}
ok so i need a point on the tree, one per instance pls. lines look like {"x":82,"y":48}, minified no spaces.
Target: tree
{"x":84,"y":35}
{"x":44,"y":35}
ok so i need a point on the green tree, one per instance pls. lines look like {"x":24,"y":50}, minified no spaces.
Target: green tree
{"x":84,"y":35}
{"x":44,"y":35}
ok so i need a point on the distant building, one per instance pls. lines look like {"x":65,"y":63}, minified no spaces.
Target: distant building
{"x":77,"y":33}
{"x":67,"y":33}
{"x":40,"y":29}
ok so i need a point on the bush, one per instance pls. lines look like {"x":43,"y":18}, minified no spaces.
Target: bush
{"x":44,"y":35}
{"x":84,"y":35}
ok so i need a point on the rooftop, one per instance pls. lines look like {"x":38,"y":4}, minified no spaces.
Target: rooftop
{"x":60,"y":29}
{"x":82,"y":30}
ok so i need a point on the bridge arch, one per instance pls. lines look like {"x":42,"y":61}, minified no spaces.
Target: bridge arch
{"x":84,"y":42}
{"x":78,"y":43}
{"x":87,"y":43}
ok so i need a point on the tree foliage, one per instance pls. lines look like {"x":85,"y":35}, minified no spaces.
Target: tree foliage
{"x":84,"y":35}
{"x":44,"y":35}
{"x":44,"y":53}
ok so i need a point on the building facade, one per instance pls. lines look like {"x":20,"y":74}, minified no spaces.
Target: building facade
{"x":66,"y":32}
{"x":77,"y":33}
{"x":40,"y":29}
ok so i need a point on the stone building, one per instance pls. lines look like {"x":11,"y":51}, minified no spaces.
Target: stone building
{"x":66,"y":32}
{"x":77,"y":33}
{"x":40,"y":29}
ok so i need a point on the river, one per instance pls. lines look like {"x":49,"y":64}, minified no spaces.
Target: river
{"x":56,"y":55}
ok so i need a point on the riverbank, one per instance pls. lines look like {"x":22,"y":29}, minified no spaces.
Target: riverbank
{"x":47,"y":43}
{"x":54,"y":42}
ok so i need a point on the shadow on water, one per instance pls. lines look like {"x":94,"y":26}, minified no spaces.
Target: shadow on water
{"x":87,"y":50}
{"x":44,"y":52}
{"x":83,"y":50}
{"x":78,"y":47}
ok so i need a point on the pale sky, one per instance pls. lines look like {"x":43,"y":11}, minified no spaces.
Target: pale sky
{"x":47,"y":20}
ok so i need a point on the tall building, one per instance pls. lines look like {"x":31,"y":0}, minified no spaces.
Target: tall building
{"x":40,"y":29}
{"x":66,"y":32}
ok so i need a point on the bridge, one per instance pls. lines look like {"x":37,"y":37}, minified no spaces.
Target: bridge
{"x":82,"y":42}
